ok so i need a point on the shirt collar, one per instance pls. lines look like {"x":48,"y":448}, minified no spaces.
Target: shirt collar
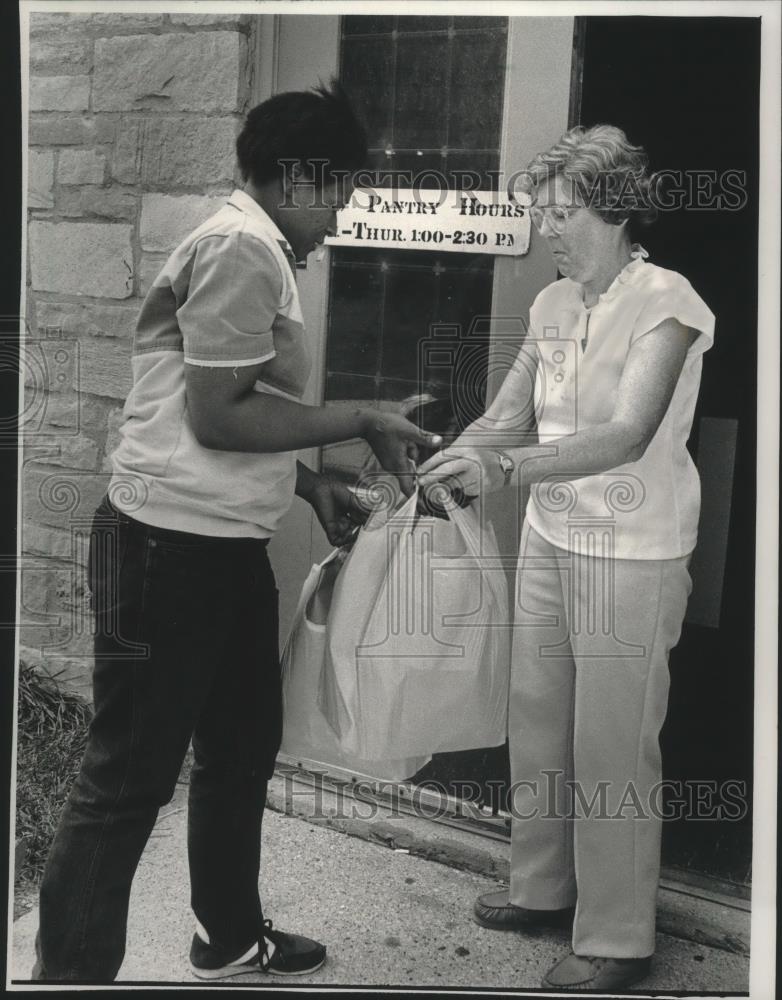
{"x":637,"y":257}
{"x":241,"y":200}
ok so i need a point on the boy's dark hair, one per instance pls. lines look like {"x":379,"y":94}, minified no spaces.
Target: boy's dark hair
{"x":301,"y":125}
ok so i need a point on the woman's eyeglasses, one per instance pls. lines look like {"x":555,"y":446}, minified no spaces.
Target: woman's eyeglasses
{"x":556,"y":215}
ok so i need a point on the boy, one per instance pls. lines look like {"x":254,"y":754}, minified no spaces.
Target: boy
{"x":183,"y":593}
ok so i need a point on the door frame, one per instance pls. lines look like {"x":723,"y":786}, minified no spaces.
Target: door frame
{"x":296,"y":51}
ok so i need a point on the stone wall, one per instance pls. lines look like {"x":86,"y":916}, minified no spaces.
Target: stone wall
{"x":132,"y":125}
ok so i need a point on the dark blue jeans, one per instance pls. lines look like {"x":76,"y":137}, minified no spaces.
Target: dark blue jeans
{"x":186,"y":647}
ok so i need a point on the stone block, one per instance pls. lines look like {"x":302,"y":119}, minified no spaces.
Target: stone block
{"x":175,"y":72}
{"x":70,"y":674}
{"x":77,"y":319}
{"x":68,"y":640}
{"x":70,"y":130}
{"x":49,"y":414}
{"x":75,"y":452}
{"x":115,"y":421}
{"x":107,"y":24}
{"x":176,"y":151}
{"x":32,"y":409}
{"x":48,"y":365}
{"x":81,"y":258}
{"x":40,"y":178}
{"x":105,"y":367}
{"x":167,"y":219}
{"x":235,"y":21}
{"x":97,"y":203}
{"x":59,"y":93}
{"x":62,"y":55}
{"x":52,"y":25}
{"x":78,"y":451}
{"x":45,"y":589}
{"x":60,"y":498}
{"x":96,"y":411}
{"x":65,"y":633}
{"x":150,"y":267}
{"x":54,"y":609}
{"x":81,"y":166}
{"x":82,"y":24}
{"x":38,"y":539}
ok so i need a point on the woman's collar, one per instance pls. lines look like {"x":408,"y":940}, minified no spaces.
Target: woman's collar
{"x":637,"y":257}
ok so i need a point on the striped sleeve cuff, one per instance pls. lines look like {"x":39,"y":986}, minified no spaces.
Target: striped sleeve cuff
{"x":228,"y":363}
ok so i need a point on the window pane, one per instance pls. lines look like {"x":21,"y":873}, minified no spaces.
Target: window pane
{"x":417,"y":162}
{"x":361,"y":24}
{"x":409,"y":307}
{"x":355,"y":320}
{"x":341,"y":386}
{"x":464,"y":294}
{"x":421,"y":79}
{"x":430,"y":91}
{"x":423,"y":23}
{"x":461,"y":23}
{"x":463,"y":165}
{"x":474,"y":121}
{"x":363,"y":59}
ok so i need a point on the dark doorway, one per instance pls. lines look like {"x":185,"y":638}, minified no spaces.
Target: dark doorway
{"x":687,"y":89}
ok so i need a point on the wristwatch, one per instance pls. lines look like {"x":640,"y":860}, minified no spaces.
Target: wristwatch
{"x":507,"y":465}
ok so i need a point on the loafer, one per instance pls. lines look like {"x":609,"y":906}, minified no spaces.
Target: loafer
{"x":291,"y":955}
{"x":494,"y":910}
{"x":589,"y":972}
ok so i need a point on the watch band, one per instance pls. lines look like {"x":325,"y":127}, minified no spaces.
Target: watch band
{"x":507,"y":465}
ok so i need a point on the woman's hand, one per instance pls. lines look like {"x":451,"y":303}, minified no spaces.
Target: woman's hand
{"x":463,"y":470}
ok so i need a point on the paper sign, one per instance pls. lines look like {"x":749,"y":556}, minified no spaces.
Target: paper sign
{"x":453,"y":221}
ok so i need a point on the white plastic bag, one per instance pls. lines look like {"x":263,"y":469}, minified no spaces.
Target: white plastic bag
{"x":306,"y":732}
{"x":418,"y":644}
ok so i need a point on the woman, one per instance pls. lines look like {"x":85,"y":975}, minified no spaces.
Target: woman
{"x":614,"y":355}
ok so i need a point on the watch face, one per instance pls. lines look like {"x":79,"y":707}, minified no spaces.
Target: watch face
{"x":507,"y":466}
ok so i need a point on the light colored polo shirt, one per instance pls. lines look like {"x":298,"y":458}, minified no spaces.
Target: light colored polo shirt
{"x":225,"y":298}
{"x":646,"y":509}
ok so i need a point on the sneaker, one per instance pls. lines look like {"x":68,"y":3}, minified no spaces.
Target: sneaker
{"x":588,"y":972}
{"x":275,"y":953}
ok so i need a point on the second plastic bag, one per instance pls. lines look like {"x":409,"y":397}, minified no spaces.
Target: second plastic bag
{"x":306,"y":733}
{"x":417,"y":642}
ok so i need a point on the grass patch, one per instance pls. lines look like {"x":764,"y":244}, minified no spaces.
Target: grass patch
{"x":52,"y":733}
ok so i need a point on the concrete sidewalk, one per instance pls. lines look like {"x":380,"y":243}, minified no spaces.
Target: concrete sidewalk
{"x":387,"y":917}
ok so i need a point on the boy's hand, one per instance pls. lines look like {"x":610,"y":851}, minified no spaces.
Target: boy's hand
{"x":339,"y":513}
{"x":395,"y":441}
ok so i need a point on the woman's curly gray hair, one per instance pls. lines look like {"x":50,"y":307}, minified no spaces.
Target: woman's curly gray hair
{"x":609,"y":173}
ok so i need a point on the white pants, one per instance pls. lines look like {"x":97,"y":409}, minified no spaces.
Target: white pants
{"x":588,"y":697}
